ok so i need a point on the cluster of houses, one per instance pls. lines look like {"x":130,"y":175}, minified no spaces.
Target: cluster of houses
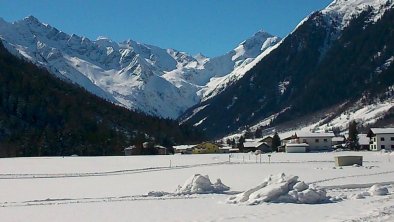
{"x":300,"y":142}
{"x":377,"y":139}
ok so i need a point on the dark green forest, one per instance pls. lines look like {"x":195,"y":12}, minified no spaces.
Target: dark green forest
{"x":41,"y":115}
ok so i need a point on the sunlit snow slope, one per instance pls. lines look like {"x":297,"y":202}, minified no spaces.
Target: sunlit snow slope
{"x":161,"y":82}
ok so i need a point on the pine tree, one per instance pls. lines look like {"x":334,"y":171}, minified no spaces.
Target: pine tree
{"x":352,"y":140}
{"x":275,"y":142}
{"x":258,"y":133}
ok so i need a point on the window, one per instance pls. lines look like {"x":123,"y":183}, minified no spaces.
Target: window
{"x":304,"y":140}
{"x":392,"y":138}
{"x":392,"y":146}
{"x":325,"y":140}
{"x":316,"y":140}
{"x":374,"y":139}
{"x":374,"y":147}
{"x":382,"y":139}
{"x":383,"y":147}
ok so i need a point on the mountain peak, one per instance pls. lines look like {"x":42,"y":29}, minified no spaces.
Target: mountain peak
{"x":31,"y":19}
{"x":343,"y":11}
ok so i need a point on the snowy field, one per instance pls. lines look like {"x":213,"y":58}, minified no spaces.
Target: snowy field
{"x":117,"y":188}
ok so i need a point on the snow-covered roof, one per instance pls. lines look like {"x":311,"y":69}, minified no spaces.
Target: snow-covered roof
{"x":130,"y":148}
{"x":252,"y":144}
{"x":363,"y":139}
{"x":382,"y":130}
{"x":307,"y":134}
{"x":297,"y":144}
{"x":338,"y":139}
{"x":183,"y":147}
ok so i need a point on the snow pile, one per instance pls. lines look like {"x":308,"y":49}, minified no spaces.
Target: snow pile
{"x":199,"y":184}
{"x":281,"y":189}
{"x":378,"y":190}
{"x":375,"y":190}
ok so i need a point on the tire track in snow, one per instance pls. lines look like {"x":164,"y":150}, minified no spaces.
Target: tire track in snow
{"x":352,"y":176}
{"x":105,"y":173}
{"x":66,"y":201}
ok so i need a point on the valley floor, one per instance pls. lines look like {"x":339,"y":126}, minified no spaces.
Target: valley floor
{"x":116,"y":188}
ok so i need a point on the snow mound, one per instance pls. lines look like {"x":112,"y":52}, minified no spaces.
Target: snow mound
{"x":378,"y":190}
{"x":199,"y":184}
{"x":281,"y":189}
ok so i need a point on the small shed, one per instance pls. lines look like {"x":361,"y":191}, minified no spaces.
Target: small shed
{"x":161,"y":150}
{"x":348,"y":160}
{"x":296,"y":147}
{"x":128,"y":151}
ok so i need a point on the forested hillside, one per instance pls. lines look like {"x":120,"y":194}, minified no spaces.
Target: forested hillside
{"x":42,"y":115}
{"x":314,"y":68}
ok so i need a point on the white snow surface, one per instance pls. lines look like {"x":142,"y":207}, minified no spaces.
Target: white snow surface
{"x":161,"y":82}
{"x":114,"y":188}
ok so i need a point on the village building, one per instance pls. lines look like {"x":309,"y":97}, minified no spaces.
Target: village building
{"x":161,"y":150}
{"x":131,"y":150}
{"x":267,"y":140}
{"x":381,"y":138}
{"x":363,"y":140}
{"x":206,"y":148}
{"x":184,"y":149}
{"x":253,"y":145}
{"x":315,"y":141}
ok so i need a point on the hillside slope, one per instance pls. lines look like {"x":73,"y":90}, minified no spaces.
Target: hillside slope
{"x":160,"y":82}
{"x":43,"y":115}
{"x":338,"y":55}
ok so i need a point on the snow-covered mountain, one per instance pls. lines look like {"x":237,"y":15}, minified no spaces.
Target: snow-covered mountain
{"x":161,"y":82}
{"x":342,"y":54}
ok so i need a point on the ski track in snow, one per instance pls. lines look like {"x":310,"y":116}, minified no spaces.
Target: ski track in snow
{"x":65,"y":201}
{"x":106,"y":173}
{"x":351,"y":176}
{"x":141,"y":170}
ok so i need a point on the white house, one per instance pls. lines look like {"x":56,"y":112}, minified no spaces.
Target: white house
{"x":316,"y":141}
{"x":381,"y":138}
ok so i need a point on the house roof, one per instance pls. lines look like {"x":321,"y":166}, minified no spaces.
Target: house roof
{"x":382,"y":130}
{"x":338,"y":139}
{"x":307,"y":134}
{"x":183,"y":147}
{"x":297,"y":144}
{"x":129,"y":148}
{"x":253,"y":143}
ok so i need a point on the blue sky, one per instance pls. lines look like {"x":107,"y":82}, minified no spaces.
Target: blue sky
{"x":211,"y":27}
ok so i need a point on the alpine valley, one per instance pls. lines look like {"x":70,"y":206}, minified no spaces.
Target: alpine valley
{"x":334,"y":67}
